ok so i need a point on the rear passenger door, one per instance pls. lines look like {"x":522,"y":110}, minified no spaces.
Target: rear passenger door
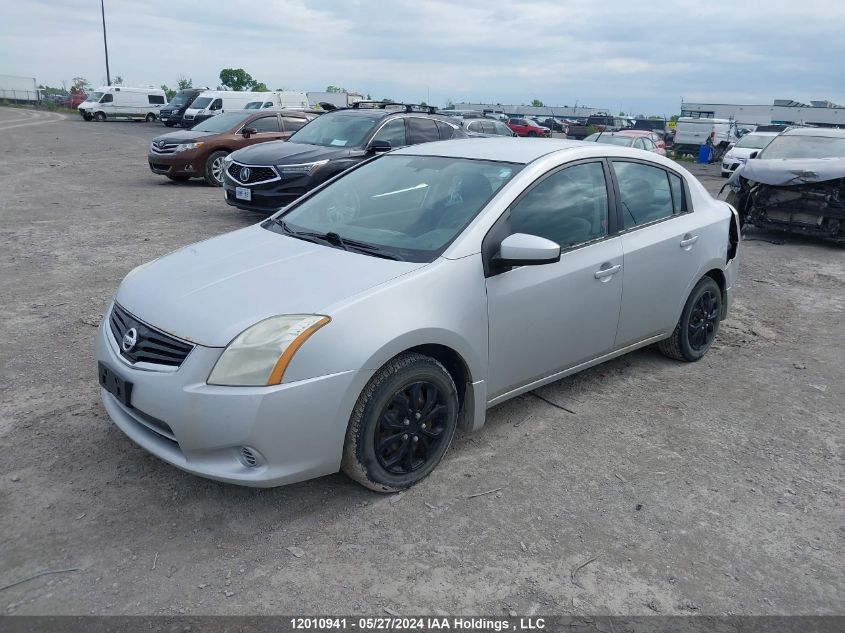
{"x":421,"y":130}
{"x":660,"y":247}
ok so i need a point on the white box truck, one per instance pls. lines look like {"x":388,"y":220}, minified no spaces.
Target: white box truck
{"x":279,"y":99}
{"x":16,"y":88}
{"x":691,"y":133}
{"x":121,"y":102}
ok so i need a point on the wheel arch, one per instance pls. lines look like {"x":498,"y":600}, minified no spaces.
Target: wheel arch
{"x":718,"y":275}
{"x":458,"y":360}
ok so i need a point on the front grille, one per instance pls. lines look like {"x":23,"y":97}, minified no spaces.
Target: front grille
{"x":256,"y":174}
{"x":151,"y":346}
{"x":166,"y":148}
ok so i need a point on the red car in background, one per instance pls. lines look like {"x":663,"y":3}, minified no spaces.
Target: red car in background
{"x":73,"y":100}
{"x":525,"y":127}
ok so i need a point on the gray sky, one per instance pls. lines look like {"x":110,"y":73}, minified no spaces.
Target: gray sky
{"x":641,"y":57}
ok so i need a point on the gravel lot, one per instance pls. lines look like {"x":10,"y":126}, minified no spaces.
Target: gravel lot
{"x":708,"y":488}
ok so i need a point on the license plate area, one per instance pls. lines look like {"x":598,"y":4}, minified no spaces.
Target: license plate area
{"x":114,"y":384}
{"x":243,"y":193}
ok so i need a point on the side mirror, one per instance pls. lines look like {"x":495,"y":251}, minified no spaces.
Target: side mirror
{"x":379,"y":147}
{"x":753,"y":155}
{"x":522,"y":249}
{"x":248,"y":131}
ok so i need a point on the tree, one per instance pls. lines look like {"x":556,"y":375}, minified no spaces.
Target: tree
{"x":80,"y":84}
{"x":335,"y":89}
{"x":183,"y":83}
{"x":236,"y":79}
{"x":168,"y":91}
{"x":537,"y":103}
{"x":259,"y":86}
{"x":621,"y":114}
{"x":49,"y":90}
{"x":118,"y":80}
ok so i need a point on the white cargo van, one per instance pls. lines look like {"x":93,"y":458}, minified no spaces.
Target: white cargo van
{"x":691,"y":133}
{"x":120,"y":102}
{"x":212,"y":102}
{"x":279,"y":99}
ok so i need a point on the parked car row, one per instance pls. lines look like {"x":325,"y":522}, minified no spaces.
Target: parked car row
{"x":188,"y":107}
{"x":638,"y":139}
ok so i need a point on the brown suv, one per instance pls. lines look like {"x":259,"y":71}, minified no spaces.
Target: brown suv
{"x":199,"y":152}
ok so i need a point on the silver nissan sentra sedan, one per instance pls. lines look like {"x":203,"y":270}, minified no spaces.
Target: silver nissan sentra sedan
{"x":359,"y":327}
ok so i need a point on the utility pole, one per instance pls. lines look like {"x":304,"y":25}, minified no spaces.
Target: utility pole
{"x":105,"y":42}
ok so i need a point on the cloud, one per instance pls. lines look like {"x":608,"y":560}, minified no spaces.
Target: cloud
{"x":634,"y":56}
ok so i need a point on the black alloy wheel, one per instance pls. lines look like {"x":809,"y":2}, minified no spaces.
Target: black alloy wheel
{"x":704,"y":320}
{"x":411,"y":428}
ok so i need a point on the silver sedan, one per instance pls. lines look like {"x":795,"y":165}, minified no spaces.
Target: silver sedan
{"x":358,"y":328}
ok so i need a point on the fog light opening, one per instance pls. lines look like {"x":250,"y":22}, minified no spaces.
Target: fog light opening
{"x":249,"y":457}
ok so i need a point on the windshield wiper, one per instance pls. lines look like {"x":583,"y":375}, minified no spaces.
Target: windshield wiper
{"x":333,"y":239}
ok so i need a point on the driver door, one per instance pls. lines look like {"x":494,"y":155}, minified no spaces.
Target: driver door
{"x":548,"y":318}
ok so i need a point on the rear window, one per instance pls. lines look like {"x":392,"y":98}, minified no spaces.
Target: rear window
{"x":446,"y":130}
{"x":649,"y":124}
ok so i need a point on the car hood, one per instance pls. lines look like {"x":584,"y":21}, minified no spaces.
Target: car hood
{"x":210,"y":292}
{"x":786,"y":172}
{"x":740,"y":152}
{"x":285,"y":152}
{"x":182,"y":136}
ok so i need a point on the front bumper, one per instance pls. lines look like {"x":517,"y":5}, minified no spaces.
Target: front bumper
{"x":268,"y":197}
{"x":178,"y":164}
{"x":295,"y":430}
{"x":174,"y":117}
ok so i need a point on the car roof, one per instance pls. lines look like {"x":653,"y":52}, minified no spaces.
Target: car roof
{"x":501,"y":148}
{"x":761,"y":133}
{"x":814,"y":131}
{"x":633,"y":132}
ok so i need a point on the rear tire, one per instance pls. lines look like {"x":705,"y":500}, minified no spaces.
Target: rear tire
{"x":99,"y":116}
{"x":150,"y":117}
{"x":532,"y":134}
{"x":214,"y":169}
{"x":699,"y":323}
{"x":402,"y":424}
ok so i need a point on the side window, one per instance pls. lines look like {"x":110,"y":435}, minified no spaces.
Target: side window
{"x":569,"y":207}
{"x":446,"y":130}
{"x":679,"y":204}
{"x":645,"y":193}
{"x":502,"y":129}
{"x":393,"y":132}
{"x":155,"y":99}
{"x":218,"y":103}
{"x":293,"y":123}
{"x":107,"y":98}
{"x":474,"y":126}
{"x":639,"y":143}
{"x":422,"y":131}
{"x":487,"y":127}
{"x":266,"y":124}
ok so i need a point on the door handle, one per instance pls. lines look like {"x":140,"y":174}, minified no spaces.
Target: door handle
{"x":688,"y":240}
{"x":603,"y":273}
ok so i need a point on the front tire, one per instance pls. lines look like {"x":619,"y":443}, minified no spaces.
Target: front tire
{"x":402,"y":424}
{"x":699,"y":323}
{"x":214,"y":169}
{"x":99,"y":116}
{"x":169,"y":124}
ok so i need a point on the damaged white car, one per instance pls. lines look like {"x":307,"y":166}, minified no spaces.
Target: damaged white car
{"x":795,"y":184}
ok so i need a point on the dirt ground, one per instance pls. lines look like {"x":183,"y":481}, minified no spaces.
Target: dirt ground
{"x":707,"y":488}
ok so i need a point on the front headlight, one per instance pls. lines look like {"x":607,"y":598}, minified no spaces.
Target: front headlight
{"x":259,"y":355}
{"x":186,"y":146}
{"x":301,"y":169}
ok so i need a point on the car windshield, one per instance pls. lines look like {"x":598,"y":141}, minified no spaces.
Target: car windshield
{"x":180,"y":99}
{"x":804,"y":147}
{"x":253,"y":105}
{"x":402,"y":207}
{"x":220,"y":123}
{"x":95,"y":96}
{"x":337,"y":130}
{"x":502,"y":129}
{"x":610,"y":139}
{"x":754,"y":141}
{"x":201,"y":102}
